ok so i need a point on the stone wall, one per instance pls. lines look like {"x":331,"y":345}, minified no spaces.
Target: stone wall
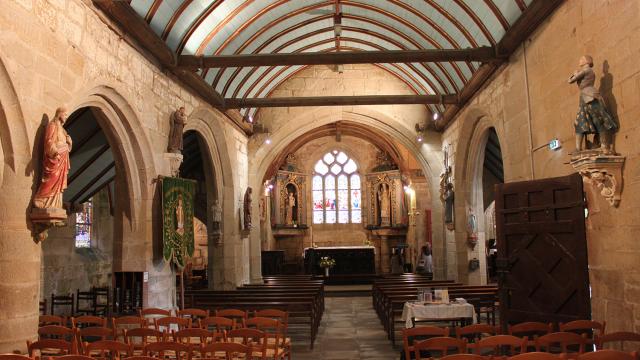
{"x":66,"y":268}
{"x":55,"y":52}
{"x":533,"y":87}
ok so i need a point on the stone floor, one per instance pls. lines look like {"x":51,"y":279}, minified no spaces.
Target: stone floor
{"x":349,"y":330}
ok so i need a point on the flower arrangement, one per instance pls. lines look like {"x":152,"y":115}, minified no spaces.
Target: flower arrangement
{"x":327,"y":262}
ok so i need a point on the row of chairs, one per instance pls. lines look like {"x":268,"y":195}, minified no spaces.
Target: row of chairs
{"x":473,"y":339}
{"x":597,"y":355}
{"x":269,"y":332}
{"x":252,"y":344}
{"x":224,"y":319}
{"x":95,"y":302}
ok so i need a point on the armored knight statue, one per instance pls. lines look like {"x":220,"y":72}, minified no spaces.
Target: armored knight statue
{"x":592,"y":117}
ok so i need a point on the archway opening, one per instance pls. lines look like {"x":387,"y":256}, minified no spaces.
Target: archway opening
{"x":492,"y":174}
{"x":80,"y":258}
{"x":343,"y":185}
{"x":197,"y":166}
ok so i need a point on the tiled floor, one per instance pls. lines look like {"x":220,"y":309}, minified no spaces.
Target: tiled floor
{"x":349,"y":330}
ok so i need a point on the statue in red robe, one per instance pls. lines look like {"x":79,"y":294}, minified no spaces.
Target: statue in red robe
{"x":55,"y":163}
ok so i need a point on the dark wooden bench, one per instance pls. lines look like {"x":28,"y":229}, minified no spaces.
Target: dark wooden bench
{"x":389,"y":295}
{"x":303,"y":300}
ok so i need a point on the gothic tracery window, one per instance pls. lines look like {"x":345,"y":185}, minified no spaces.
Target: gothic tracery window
{"x":336,"y":190}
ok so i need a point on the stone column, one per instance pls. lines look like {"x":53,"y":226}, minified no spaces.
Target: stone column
{"x":255,"y":248}
{"x":19,"y":264}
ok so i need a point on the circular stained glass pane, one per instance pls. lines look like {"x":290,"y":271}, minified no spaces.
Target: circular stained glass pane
{"x":321,"y":168}
{"x":336,"y":169}
{"x":350,"y":166}
{"x":342,"y":158}
{"x":328,"y":158}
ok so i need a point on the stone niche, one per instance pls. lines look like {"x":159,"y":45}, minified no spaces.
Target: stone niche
{"x":385,"y":234}
{"x":289,"y":182}
{"x":375,"y":188}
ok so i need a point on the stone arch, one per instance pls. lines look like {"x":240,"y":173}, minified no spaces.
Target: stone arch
{"x":208,"y":126}
{"x":134,"y":190}
{"x":467,"y":173}
{"x":427,"y":153}
{"x":14,"y":141}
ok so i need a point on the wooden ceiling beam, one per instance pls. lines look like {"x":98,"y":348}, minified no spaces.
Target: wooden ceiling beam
{"x":526,"y":24}
{"x":481,"y":54}
{"x":340,"y":100}
{"x":135,"y":26}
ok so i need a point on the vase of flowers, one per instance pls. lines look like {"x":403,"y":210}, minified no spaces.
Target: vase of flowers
{"x":327,"y":263}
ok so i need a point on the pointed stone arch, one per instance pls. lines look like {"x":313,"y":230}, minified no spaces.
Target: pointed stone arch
{"x":467,"y":173}
{"x":427,"y":154}
{"x":135,"y":188}
{"x":208,"y":125}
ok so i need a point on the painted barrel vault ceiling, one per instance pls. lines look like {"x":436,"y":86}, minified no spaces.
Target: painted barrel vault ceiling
{"x":226,"y":27}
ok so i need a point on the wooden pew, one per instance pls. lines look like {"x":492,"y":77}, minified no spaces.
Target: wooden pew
{"x":390,"y":293}
{"x":303,"y":300}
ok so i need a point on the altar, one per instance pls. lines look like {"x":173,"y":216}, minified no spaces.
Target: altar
{"x":350,"y":260}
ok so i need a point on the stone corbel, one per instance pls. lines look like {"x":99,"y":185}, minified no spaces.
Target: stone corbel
{"x":602,"y":171}
{"x":174,"y":160}
{"x":45,"y":219}
{"x":215,"y":234}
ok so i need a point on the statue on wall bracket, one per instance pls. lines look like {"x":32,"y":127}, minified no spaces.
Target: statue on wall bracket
{"x":596,"y":161}
{"x":178,"y":122}
{"x":246,"y":208}
{"x":47,"y":210}
{"x":446,"y":191}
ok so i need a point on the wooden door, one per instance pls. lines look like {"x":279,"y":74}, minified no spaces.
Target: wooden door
{"x":542,"y":250}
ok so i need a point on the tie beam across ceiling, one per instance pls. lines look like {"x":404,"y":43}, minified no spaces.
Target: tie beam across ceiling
{"x":480,"y":54}
{"x":235,"y":103}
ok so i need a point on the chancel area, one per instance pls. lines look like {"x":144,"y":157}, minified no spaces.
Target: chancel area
{"x":345,"y":179}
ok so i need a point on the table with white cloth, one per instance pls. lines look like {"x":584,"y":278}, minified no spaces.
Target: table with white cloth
{"x":413,"y":310}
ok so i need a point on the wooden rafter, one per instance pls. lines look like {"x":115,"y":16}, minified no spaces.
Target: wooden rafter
{"x":122,"y":13}
{"x":481,"y":54}
{"x":340,"y":100}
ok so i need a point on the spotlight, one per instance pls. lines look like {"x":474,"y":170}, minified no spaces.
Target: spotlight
{"x":420,"y":138}
{"x":268,"y":141}
{"x":436,"y":116}
{"x":270,"y":186}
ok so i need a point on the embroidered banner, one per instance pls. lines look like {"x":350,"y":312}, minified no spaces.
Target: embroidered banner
{"x":177,"y":219}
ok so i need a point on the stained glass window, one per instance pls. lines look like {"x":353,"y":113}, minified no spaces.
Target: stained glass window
{"x":84,"y":219}
{"x":336,"y":190}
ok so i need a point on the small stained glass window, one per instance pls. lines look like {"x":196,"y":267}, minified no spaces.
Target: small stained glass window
{"x":84,"y":220}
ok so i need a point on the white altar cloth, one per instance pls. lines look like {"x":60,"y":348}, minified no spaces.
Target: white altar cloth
{"x":421,"y":311}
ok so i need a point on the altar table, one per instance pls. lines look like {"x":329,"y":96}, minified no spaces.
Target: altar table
{"x":349,"y":260}
{"x":412,"y":310}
